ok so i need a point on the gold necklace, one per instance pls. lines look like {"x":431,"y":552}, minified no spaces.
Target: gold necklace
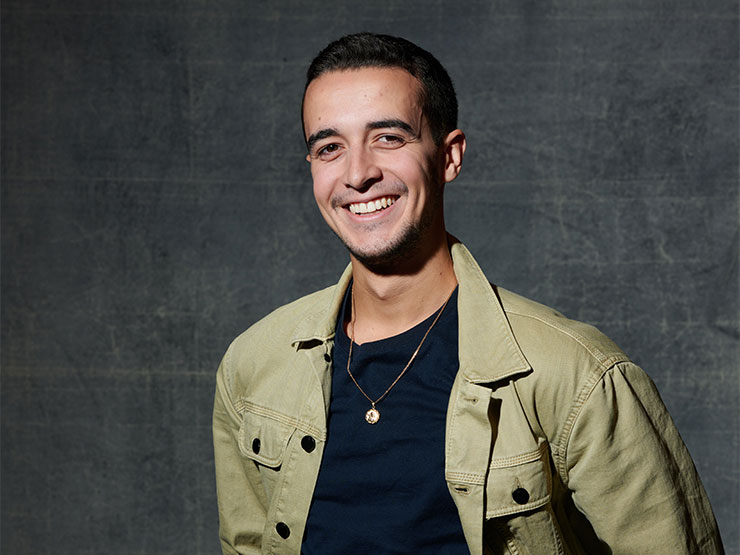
{"x":373,"y":415}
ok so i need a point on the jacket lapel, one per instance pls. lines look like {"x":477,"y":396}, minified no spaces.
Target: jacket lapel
{"x":489,"y":354}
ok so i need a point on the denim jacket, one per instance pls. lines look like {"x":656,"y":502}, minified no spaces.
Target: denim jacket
{"x":555,"y":442}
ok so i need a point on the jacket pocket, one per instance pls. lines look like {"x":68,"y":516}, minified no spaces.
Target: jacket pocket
{"x":518,"y":484}
{"x":264,"y":439}
{"x":519,"y":516}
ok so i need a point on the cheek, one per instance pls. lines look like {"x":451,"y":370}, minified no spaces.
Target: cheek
{"x":320,"y":188}
{"x":418,"y":177}
{"x":412,"y":166}
{"x":327,"y":181}
{"x":320,"y":195}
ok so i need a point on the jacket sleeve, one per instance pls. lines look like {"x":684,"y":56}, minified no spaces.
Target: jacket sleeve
{"x":631,"y":474}
{"x":241,"y":498}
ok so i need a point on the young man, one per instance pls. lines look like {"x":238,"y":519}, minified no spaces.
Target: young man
{"x":414,"y":407}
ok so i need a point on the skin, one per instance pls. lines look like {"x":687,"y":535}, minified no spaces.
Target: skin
{"x":369,"y":139}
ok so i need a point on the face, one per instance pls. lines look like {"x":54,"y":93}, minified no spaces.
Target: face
{"x":378,"y":176}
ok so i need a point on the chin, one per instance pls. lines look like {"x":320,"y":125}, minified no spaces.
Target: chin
{"x":392,"y":257}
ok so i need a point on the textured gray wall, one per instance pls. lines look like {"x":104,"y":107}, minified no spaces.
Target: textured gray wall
{"x":155,"y":202}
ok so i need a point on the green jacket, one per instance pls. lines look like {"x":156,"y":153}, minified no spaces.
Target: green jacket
{"x":555,"y":441}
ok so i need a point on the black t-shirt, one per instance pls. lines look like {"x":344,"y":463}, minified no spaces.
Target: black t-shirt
{"x":381,"y":488}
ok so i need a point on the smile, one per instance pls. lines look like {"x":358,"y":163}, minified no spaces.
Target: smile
{"x":372,"y":206}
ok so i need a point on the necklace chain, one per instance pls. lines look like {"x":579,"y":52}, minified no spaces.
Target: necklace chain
{"x":372,"y":415}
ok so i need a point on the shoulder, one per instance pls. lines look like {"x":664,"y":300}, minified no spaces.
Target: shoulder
{"x":543,"y":333}
{"x":568,"y":360}
{"x":271,"y":340}
{"x":281,"y":323}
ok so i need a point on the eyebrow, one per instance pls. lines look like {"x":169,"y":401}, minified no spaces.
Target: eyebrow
{"x":380,"y":124}
{"x":323,"y":134}
{"x":392,"y":123}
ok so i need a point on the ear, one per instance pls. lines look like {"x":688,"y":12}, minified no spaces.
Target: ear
{"x":308,"y":158}
{"x":454,"y":149}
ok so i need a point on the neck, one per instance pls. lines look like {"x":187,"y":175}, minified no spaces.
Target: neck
{"x":390,"y":303}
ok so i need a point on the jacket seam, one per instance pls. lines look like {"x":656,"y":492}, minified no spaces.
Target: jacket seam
{"x":229,"y":377}
{"x":473,"y":479}
{"x":604,"y":360}
{"x":566,"y":434}
{"x":226,"y":391}
{"x":555,"y":531}
{"x":516,"y":460}
{"x":242,"y":405}
{"x":518,"y":509}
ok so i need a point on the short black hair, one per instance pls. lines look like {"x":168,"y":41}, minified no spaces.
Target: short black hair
{"x":363,"y":50}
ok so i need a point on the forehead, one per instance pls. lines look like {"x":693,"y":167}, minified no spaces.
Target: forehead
{"x":362,"y":95}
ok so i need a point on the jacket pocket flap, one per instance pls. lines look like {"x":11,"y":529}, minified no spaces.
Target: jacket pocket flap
{"x":518,"y":484}
{"x":264,"y":439}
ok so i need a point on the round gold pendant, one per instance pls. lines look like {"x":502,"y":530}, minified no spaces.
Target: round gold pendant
{"x":372,"y":416}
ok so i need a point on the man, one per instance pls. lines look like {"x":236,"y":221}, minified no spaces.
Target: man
{"x":414,"y":407}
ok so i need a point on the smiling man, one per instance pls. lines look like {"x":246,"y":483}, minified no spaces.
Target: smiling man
{"x":414,"y":407}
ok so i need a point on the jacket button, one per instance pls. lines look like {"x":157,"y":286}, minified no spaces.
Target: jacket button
{"x":256,"y":445}
{"x":327,"y":357}
{"x":282,"y":530}
{"x":308,"y":443}
{"x":520,"y":495}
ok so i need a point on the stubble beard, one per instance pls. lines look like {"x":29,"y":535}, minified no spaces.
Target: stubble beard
{"x":400,"y":254}
{"x":395,"y":255}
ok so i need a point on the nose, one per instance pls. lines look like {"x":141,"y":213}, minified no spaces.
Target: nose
{"x":362,"y":169}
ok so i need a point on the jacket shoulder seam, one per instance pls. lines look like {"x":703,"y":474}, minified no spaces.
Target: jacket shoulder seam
{"x":577,"y":408}
{"x":302,"y":304}
{"x":265,"y":325}
{"x":604,"y":360}
{"x":229,"y":372}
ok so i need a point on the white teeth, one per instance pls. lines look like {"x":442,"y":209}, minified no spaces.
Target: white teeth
{"x":370,"y":207}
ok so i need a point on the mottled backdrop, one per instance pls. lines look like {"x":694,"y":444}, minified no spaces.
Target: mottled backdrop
{"x":155,"y":202}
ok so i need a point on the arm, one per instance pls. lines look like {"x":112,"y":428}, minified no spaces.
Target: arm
{"x":241,"y":498}
{"x":631,"y":474}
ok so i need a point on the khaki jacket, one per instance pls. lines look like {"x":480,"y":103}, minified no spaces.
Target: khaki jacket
{"x":555,"y":442}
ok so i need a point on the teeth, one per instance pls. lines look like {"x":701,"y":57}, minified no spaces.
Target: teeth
{"x":372,"y":206}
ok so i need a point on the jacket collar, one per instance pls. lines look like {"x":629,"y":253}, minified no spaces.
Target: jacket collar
{"x":321,"y":320}
{"x":488,"y":351}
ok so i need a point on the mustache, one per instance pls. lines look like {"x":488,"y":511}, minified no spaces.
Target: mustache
{"x":394,"y":189}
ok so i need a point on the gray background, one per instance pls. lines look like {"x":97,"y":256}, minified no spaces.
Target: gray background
{"x":155,"y":202}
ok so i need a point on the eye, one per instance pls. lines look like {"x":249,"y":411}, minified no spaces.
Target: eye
{"x":327,"y":152}
{"x":391,"y":140}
